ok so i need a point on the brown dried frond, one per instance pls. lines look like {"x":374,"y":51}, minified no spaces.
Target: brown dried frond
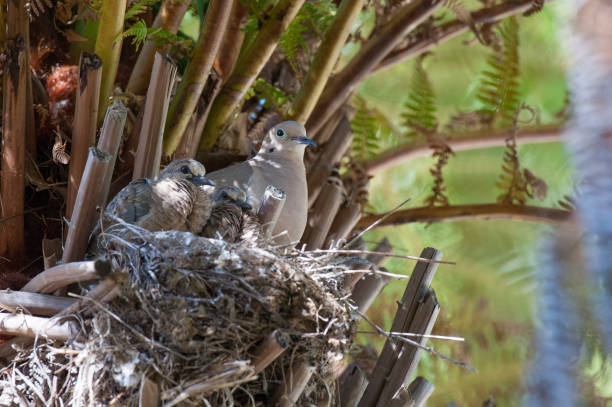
{"x":58,"y":152}
{"x":567,"y":202}
{"x":536,"y":187}
{"x":442,"y":152}
{"x":37,"y":7}
{"x":356,"y":182}
{"x":536,"y":7}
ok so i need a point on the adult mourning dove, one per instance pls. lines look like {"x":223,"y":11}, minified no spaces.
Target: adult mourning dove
{"x":279,"y":162}
{"x":230,"y":218}
{"x":179,"y":198}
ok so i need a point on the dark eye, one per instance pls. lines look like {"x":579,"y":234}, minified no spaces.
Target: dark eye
{"x":185,"y":169}
{"x":223,"y":194}
{"x":280,"y":133}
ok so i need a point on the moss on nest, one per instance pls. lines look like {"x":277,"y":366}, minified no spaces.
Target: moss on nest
{"x":192,"y":312}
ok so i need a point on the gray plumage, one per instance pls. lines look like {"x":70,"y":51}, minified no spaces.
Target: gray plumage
{"x":279,"y":162}
{"x":179,"y":198}
{"x":231,"y":218}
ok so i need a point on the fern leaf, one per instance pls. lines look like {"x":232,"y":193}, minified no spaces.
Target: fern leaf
{"x":498,"y":90}
{"x":420,"y":108}
{"x":140,"y":33}
{"x":366,"y":141}
{"x":273,"y":97}
{"x":139,"y":7}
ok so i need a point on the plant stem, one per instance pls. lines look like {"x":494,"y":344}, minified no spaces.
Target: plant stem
{"x":12,"y":185}
{"x":108,"y":48}
{"x":249,"y":65}
{"x":232,"y":41}
{"x":524,"y":213}
{"x":168,"y":18}
{"x":193,"y":81}
{"x":372,"y":52}
{"x":324,"y":60}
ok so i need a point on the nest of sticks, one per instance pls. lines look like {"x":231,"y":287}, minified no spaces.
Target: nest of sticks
{"x":195,"y":321}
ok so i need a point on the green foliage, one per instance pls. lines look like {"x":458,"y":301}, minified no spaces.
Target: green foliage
{"x":366,"y":130}
{"x":140,"y":33}
{"x":139,"y":7}
{"x":315,"y":17}
{"x":499,"y":87}
{"x":420,"y":108}
{"x":275,"y":98}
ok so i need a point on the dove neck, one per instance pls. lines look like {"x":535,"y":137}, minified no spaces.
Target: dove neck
{"x":290,"y":156}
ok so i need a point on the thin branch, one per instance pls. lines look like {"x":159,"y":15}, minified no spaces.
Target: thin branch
{"x":325,"y":59}
{"x":249,"y":65}
{"x":452,"y":29}
{"x":184,"y":102}
{"x":461,"y":142}
{"x":31,"y":327}
{"x":397,"y":256}
{"x":32,"y":303}
{"x":524,"y":213}
{"x":65,"y":274}
{"x":372,"y":52}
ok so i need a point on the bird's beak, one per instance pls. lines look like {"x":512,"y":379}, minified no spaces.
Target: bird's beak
{"x":199,"y":180}
{"x":304,"y":140}
{"x":244,"y":204}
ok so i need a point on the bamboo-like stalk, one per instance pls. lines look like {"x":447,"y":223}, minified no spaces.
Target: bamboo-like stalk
{"x":420,"y":389}
{"x":14,"y":89}
{"x":331,"y":154}
{"x":270,"y":349}
{"x":296,"y":380}
{"x":372,"y":52}
{"x":367,"y":289}
{"x":323,"y":135}
{"x":85,"y":208}
{"x":271,"y":206}
{"x":65,"y":274}
{"x":110,"y":139}
{"x":108,"y":48}
{"x":345,"y":220}
{"x":168,"y":18}
{"x":32,"y":303}
{"x":324,"y":210}
{"x":149,"y":393}
{"x":420,"y":280}
{"x":85,"y":122}
{"x":250,"y":63}
{"x":149,"y":152}
{"x":403,"y":398}
{"x":384,"y":246}
{"x":325,"y":59}
{"x":353,"y":383}
{"x":406,"y":363}
{"x":231,"y":42}
{"x":31,"y":327}
{"x":526,"y":213}
{"x":197,"y":70}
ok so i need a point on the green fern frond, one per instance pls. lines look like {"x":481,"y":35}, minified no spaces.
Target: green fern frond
{"x":314,"y":16}
{"x":140,"y":33}
{"x":275,"y":98}
{"x":366,"y":130}
{"x":499,"y":87}
{"x":139,"y":7}
{"x":420,"y":108}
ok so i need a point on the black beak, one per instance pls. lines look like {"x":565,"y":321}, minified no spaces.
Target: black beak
{"x":304,"y":140}
{"x":199,"y":180}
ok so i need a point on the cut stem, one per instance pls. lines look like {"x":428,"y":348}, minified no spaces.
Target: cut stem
{"x":31,"y":327}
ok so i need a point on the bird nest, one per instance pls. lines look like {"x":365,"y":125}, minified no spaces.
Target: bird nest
{"x":191,"y":323}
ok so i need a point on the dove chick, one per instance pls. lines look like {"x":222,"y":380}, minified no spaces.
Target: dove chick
{"x":280,"y":163}
{"x":179,"y":198}
{"x":231,"y":218}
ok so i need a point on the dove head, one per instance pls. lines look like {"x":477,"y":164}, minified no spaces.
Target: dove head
{"x":286,"y":138}
{"x":234,"y":194}
{"x":188,"y":169}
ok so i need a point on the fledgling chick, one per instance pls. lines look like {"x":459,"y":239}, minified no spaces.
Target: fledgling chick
{"x":230,"y":218}
{"x":179,"y":198}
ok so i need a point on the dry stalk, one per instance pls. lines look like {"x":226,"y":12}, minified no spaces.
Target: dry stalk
{"x":149,"y":152}
{"x":420,"y":389}
{"x":324,"y":210}
{"x":105,"y":291}
{"x":110,"y":139}
{"x":85,"y":122}
{"x":403,"y":398}
{"x":367,"y":289}
{"x":67,"y":273}
{"x":330,"y":155}
{"x":378,"y":256}
{"x":168,"y":18}
{"x":85,"y":209}
{"x":149,"y":394}
{"x":290,"y":391}
{"x":14,"y":90}
{"x":37,"y":304}
{"x":31,"y":327}
{"x":419,"y":281}
{"x":405,"y":365}
{"x":271,"y":206}
{"x":231,"y":42}
{"x":271,"y":348}
{"x":344,"y":222}
{"x":353,"y":383}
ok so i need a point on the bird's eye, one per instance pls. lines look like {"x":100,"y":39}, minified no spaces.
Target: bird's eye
{"x":185,"y":169}
{"x":280,"y":133}
{"x":224,"y":195}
